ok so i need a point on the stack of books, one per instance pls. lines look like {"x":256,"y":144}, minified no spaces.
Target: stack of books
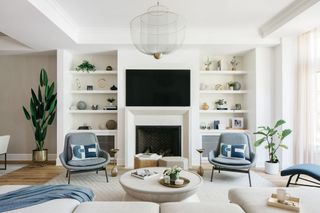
{"x":144,"y":173}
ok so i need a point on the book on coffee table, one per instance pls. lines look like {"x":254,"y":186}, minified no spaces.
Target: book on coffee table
{"x":144,"y":173}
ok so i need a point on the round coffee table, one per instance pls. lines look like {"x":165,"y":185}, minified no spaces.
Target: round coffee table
{"x":151,"y":190}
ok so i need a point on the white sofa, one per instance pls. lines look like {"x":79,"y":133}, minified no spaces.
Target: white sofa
{"x":73,"y":206}
{"x":148,"y":207}
{"x":254,"y":200}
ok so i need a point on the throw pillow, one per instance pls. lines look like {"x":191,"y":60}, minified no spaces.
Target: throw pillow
{"x":233,"y":150}
{"x":81,"y":152}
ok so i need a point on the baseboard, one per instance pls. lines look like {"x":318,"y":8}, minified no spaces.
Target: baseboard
{"x":27,"y":157}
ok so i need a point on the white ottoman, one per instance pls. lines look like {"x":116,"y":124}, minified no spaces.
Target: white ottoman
{"x":174,"y":161}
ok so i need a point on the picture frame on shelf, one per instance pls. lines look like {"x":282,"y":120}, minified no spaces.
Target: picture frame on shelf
{"x":237,"y":123}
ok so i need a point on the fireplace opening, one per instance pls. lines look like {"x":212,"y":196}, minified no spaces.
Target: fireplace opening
{"x":163,"y":140}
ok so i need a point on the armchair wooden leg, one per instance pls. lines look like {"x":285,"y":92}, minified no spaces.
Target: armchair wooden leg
{"x":69,"y":175}
{"x":212,"y":173}
{"x":106,"y":174}
{"x":219,"y":170}
{"x":249,"y":177}
{"x":97,"y":171}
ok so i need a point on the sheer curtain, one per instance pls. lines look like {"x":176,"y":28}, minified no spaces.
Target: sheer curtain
{"x":307,"y":131}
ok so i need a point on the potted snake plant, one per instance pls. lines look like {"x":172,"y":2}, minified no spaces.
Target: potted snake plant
{"x":273,"y":138}
{"x":41,"y":113}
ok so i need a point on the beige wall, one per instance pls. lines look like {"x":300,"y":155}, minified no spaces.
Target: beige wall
{"x":18,"y":74}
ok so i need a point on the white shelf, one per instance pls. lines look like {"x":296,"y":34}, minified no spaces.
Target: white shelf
{"x":222,"y":111}
{"x":97,"y":131}
{"x":94,"y":111}
{"x":223,"y":91}
{"x":218,"y":131}
{"x":94,"y":91}
{"x":224,"y":72}
{"x":97,"y":72}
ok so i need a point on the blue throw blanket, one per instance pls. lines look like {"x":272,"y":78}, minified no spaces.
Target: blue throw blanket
{"x":34,"y":195}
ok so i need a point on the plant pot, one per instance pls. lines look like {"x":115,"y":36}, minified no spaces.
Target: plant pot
{"x":40,"y":156}
{"x":173,"y":179}
{"x":236,"y":86}
{"x":271,"y":168}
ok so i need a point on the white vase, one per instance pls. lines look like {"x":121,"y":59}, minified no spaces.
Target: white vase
{"x":271,"y":168}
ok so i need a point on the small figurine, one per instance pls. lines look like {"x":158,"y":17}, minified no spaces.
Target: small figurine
{"x":207,"y":64}
{"x":219,"y":65}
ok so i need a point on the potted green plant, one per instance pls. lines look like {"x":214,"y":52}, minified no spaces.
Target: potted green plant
{"x":273,"y":138}
{"x":173,"y":173}
{"x":221,"y":104}
{"x":111,"y":100}
{"x":86,"y":66}
{"x":231,"y":85}
{"x":42,"y":113}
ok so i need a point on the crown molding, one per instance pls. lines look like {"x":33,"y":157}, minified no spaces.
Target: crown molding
{"x":194,"y":36}
{"x":285,"y":15}
{"x":56,"y":14}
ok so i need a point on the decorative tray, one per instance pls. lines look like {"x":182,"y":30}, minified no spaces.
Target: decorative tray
{"x":293,"y":203}
{"x":185,"y":182}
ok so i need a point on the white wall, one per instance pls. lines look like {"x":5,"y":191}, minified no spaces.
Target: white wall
{"x":20,"y":73}
{"x":264,"y":95}
{"x":285,"y":93}
{"x":130,"y":58}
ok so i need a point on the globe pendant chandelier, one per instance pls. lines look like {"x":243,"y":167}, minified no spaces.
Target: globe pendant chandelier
{"x":158,"y":31}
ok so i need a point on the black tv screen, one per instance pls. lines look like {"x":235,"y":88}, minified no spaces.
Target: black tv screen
{"x":157,"y":87}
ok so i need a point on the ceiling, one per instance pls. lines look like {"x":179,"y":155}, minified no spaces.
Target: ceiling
{"x":249,"y":14}
{"x":74,"y":24}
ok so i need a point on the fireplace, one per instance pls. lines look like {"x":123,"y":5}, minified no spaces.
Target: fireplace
{"x":163,"y":140}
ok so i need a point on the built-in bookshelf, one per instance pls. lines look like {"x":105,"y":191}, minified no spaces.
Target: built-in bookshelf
{"x":94,"y":88}
{"x":214,"y":84}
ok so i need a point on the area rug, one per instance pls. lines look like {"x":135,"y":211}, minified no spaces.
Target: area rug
{"x":209,"y":191}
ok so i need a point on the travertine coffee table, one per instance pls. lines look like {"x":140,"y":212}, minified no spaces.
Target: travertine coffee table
{"x":151,"y":190}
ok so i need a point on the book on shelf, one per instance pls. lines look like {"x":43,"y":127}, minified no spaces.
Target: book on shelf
{"x":144,"y":173}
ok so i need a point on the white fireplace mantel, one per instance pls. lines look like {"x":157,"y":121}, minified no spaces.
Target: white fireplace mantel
{"x":155,"y":116}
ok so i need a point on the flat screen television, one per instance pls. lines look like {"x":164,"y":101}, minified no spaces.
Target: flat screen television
{"x":157,"y":87}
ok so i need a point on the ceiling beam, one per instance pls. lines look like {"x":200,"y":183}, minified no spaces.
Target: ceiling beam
{"x":285,"y":15}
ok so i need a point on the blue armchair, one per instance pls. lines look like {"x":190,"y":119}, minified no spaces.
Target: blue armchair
{"x":86,"y":165}
{"x":233,"y":164}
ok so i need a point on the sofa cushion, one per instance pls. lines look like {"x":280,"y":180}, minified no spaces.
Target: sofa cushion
{"x":86,"y":162}
{"x":254,"y":200}
{"x":65,"y":205}
{"x":118,"y":207}
{"x":231,"y":161}
{"x":184,"y":207}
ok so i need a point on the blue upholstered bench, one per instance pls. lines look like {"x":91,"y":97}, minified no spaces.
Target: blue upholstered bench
{"x":310,"y":170}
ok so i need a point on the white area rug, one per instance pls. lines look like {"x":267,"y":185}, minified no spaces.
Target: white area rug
{"x":210,"y":191}
{"x":11,"y":168}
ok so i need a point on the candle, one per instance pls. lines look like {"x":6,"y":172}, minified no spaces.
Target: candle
{"x":166,"y":179}
{"x":179,"y":182}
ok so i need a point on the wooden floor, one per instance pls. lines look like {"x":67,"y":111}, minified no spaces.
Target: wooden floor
{"x":31,"y":175}
{"x":35,"y":174}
